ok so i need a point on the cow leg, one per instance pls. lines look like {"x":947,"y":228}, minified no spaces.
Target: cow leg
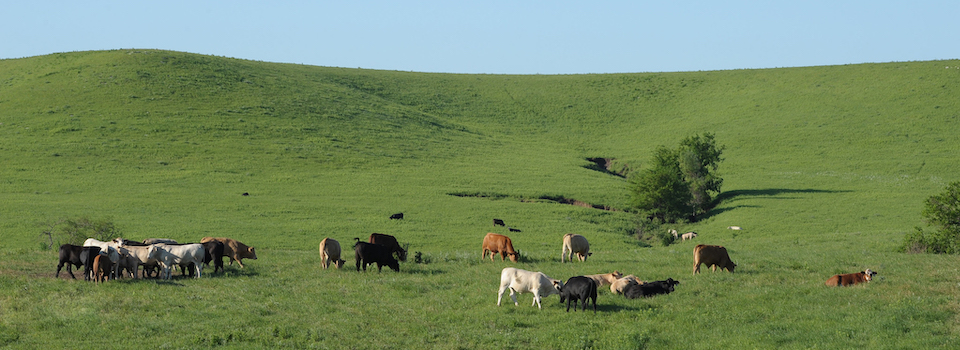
{"x":536,"y":299}
{"x":358,"y":263}
{"x":513,"y":296}
{"x":199,"y":268}
{"x":500,"y":294}
{"x":696,"y":268}
{"x":239,"y":262}
{"x":69,"y":270}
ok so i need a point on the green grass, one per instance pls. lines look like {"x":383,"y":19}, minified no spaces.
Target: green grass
{"x":825,"y":167}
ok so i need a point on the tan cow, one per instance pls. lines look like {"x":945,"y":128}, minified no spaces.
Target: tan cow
{"x":617,"y":286}
{"x":233,"y":249}
{"x":330,"y":252}
{"x":688,"y":235}
{"x":712,"y":256}
{"x":850,"y":278}
{"x":497,"y":243}
{"x":605,"y":278}
{"x":575,"y":244}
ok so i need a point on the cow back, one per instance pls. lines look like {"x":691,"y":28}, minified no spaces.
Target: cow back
{"x":389,"y":242}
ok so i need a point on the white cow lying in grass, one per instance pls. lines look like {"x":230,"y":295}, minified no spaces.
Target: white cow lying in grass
{"x":520,"y":281}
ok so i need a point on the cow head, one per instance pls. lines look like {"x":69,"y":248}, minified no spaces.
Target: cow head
{"x":616,"y":274}
{"x":515,"y":256}
{"x":253,"y":253}
{"x":557,"y":285}
{"x":868,"y":274}
{"x":339,"y":263}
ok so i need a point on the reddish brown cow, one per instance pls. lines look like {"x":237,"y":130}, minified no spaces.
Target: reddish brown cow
{"x":851,"y":278}
{"x":712,"y":256}
{"x":101,"y":268}
{"x":497,"y":243}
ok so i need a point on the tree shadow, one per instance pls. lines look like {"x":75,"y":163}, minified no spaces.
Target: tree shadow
{"x":776,"y":193}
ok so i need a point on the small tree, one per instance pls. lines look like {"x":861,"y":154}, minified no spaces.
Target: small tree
{"x":679,"y":184}
{"x":75,"y":231}
{"x":943,"y":213}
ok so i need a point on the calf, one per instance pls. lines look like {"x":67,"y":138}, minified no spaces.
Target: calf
{"x":233,"y":249}
{"x":520,"y":281}
{"x":635,"y":290}
{"x":397,"y":216}
{"x":214,"y":252}
{"x":579,"y":288}
{"x":390,"y":242}
{"x":86,"y":257}
{"x":108,"y":248}
{"x":712,"y":256}
{"x":498,"y":222}
{"x":330,"y":252}
{"x":851,"y":278}
{"x":101,"y":268}
{"x":575,"y":244}
{"x":369,"y":253}
{"x":497,"y":243}
{"x":70,"y":256}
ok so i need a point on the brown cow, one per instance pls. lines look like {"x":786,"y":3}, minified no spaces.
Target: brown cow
{"x":712,"y":256}
{"x":851,"y":278}
{"x":390,"y":242}
{"x":233,"y":249}
{"x":330,"y":252}
{"x":497,"y":243}
{"x":102,"y":266}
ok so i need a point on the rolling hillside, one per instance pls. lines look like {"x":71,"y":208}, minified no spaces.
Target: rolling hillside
{"x":825,"y":167}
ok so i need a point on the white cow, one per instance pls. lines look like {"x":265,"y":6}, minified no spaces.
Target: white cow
{"x":573,"y":243}
{"x":142,"y":255}
{"x":172,"y":255}
{"x":674,"y":233}
{"x":688,"y":235}
{"x":735,"y":228}
{"x":330,"y":252}
{"x":520,"y":281}
{"x":108,"y":248}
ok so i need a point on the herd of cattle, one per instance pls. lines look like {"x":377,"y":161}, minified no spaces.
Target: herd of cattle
{"x":158,"y":257}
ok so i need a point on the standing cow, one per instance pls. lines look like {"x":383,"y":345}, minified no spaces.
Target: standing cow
{"x":497,"y":243}
{"x":233,"y":249}
{"x":579,"y":288}
{"x":70,"y":256}
{"x":521,"y":281}
{"x":575,"y":244}
{"x":390,"y":242}
{"x":178,"y":255}
{"x":712,"y":256}
{"x":330,"y":252}
{"x":369,"y":253}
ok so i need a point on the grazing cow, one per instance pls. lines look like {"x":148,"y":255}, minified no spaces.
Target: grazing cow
{"x":498,"y":222}
{"x":579,"y":288}
{"x":150,"y":241}
{"x":110,"y":249}
{"x":369,"y":253}
{"x":101,"y":268}
{"x":520,"y":281}
{"x":712,"y":256}
{"x":688,"y":235}
{"x":233,"y":249}
{"x":183,"y":255}
{"x":70,"y":256}
{"x":330,"y":252}
{"x":575,"y":244}
{"x":851,"y":278}
{"x":605,"y":278}
{"x":397,"y":216}
{"x":738,"y":228}
{"x":142,"y":256}
{"x":86,"y":257}
{"x":635,"y":290}
{"x":511,"y":229}
{"x":390,"y":242}
{"x":497,"y":243}
{"x":127,"y":262}
{"x":617,"y":286}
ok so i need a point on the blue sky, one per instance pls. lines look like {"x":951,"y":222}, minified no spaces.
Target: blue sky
{"x":499,"y":37}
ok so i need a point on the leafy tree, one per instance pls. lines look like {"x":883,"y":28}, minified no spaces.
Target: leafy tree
{"x":679,"y":183}
{"x":943,"y":213}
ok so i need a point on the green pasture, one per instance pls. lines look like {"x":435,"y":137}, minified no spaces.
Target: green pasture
{"x":825,"y":168}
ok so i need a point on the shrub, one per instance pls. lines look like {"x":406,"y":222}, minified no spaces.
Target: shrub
{"x":941,"y":211}
{"x":75,"y":231}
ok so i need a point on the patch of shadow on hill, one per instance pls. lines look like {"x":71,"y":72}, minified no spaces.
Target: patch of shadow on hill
{"x":544,"y":198}
{"x":605,"y":165}
{"x":774,"y":193}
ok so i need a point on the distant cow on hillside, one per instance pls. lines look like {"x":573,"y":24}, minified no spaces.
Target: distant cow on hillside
{"x":498,"y":222}
{"x":397,"y":216}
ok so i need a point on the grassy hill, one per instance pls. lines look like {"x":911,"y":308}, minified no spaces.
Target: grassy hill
{"x":825,"y":167}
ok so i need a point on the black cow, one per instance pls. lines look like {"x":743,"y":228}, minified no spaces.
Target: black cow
{"x":369,"y":253}
{"x":87,"y":254}
{"x":396,"y":216}
{"x":498,"y":222}
{"x":579,"y":288}
{"x":390,"y":242}
{"x":70,"y":256}
{"x":214,"y":250}
{"x":635,"y":290}
{"x":513,"y":229}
